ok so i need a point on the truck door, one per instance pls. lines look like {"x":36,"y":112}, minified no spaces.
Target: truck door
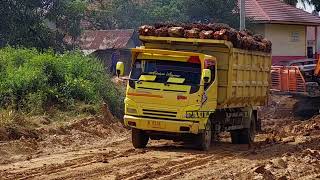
{"x":209,"y":96}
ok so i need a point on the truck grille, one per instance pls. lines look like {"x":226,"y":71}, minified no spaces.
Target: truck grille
{"x":149,"y":112}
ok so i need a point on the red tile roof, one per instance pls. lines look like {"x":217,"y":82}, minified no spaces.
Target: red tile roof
{"x":275,"y":11}
{"x":105,"y":39}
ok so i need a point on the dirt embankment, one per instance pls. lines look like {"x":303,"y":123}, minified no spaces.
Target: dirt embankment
{"x":96,"y":148}
{"x":21,"y":142}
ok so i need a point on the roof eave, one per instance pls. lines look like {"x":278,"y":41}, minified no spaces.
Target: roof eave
{"x":285,"y":22}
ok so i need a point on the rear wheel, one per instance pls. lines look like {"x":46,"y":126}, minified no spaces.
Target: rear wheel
{"x":139,"y":138}
{"x":244,"y":136}
{"x":235,"y":135}
{"x":248,"y":134}
{"x":204,"y":139}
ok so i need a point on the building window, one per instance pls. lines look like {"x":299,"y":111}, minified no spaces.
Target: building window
{"x":295,"y":36}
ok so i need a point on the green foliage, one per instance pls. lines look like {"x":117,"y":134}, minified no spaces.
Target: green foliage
{"x":131,"y":14}
{"x":67,"y":15}
{"x":117,"y":14}
{"x":165,"y":11}
{"x":35,"y":82}
{"x":45,"y":23}
{"x":40,"y":23}
{"x":21,"y":24}
{"x":212,"y":11}
{"x":291,"y":2}
{"x":315,"y":3}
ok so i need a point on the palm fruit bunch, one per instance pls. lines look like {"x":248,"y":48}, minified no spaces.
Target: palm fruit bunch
{"x":176,"y":31}
{"x":147,"y":30}
{"x":217,"y":31}
{"x":192,"y":33}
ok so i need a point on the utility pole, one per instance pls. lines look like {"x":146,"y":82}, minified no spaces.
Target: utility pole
{"x":242,"y":15}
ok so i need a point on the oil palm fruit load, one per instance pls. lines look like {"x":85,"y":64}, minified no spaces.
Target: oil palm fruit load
{"x":217,"y":31}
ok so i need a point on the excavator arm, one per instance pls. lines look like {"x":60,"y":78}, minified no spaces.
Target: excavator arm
{"x":317,"y":69}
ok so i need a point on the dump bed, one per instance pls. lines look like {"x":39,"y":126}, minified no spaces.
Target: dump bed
{"x":243,"y":76}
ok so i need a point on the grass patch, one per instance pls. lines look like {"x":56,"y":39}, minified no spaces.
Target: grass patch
{"x":40,"y":83}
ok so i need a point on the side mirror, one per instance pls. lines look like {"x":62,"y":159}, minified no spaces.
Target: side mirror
{"x":206,"y":75}
{"x":120,"y":69}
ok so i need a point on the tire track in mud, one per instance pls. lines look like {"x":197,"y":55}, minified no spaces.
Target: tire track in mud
{"x":176,"y":168}
{"x":100,"y":169}
{"x":51,"y":168}
{"x":159,"y":161}
{"x":79,"y":160}
{"x":92,"y":171}
{"x":127,"y":164}
{"x":54,"y":168}
{"x":216,"y":159}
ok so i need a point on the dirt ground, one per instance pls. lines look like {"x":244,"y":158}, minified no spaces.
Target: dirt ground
{"x":96,"y":148}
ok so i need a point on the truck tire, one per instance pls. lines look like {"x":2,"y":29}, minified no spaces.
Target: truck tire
{"x":247,"y":135}
{"x":204,"y":140}
{"x":235,"y":135}
{"x":139,"y":139}
{"x":244,"y":136}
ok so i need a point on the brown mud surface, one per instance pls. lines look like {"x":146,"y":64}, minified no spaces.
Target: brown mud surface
{"x":96,"y":148}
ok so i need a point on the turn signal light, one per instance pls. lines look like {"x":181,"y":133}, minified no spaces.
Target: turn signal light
{"x":182,"y":97}
{"x":130,"y":123}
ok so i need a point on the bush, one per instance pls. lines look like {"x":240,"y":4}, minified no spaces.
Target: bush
{"x":34,"y":82}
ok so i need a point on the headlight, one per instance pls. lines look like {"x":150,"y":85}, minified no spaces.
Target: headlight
{"x":131,"y":111}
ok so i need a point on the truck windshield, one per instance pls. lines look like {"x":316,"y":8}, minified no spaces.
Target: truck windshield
{"x":164,"y":69}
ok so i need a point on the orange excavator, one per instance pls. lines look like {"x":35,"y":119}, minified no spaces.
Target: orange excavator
{"x":301,"y":79}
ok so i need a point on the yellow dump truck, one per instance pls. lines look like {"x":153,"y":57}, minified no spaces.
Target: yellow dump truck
{"x":193,"y":89}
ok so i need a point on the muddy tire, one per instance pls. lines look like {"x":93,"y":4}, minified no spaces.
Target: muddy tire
{"x":235,"y":136}
{"x":204,"y":139}
{"x":139,"y":139}
{"x":244,"y":136}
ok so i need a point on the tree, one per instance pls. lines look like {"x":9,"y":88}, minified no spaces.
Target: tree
{"x":45,"y":23}
{"x":291,"y":2}
{"x":67,"y":16}
{"x":212,"y":11}
{"x":116,"y":14}
{"x":39,"y":23}
{"x":130,"y":14}
{"x":316,"y":3}
{"x":165,"y":11}
{"x":21,"y":24}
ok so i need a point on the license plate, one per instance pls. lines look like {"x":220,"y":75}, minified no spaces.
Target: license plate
{"x":156,"y":124}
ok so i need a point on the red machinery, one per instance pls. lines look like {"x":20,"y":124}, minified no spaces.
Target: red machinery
{"x":301,"y":79}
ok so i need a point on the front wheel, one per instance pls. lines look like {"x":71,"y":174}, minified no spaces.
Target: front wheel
{"x":204,"y":141}
{"x":139,"y":139}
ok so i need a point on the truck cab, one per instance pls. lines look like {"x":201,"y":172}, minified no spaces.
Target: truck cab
{"x":165,"y":91}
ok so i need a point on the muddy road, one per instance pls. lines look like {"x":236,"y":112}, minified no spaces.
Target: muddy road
{"x":91,"y":149}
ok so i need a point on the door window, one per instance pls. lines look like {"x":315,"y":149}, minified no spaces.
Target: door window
{"x":210,"y":64}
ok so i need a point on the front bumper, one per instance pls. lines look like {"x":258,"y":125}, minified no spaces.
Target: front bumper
{"x":174,"y":126}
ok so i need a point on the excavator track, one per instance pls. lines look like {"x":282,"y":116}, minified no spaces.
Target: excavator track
{"x":306,"y":107}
